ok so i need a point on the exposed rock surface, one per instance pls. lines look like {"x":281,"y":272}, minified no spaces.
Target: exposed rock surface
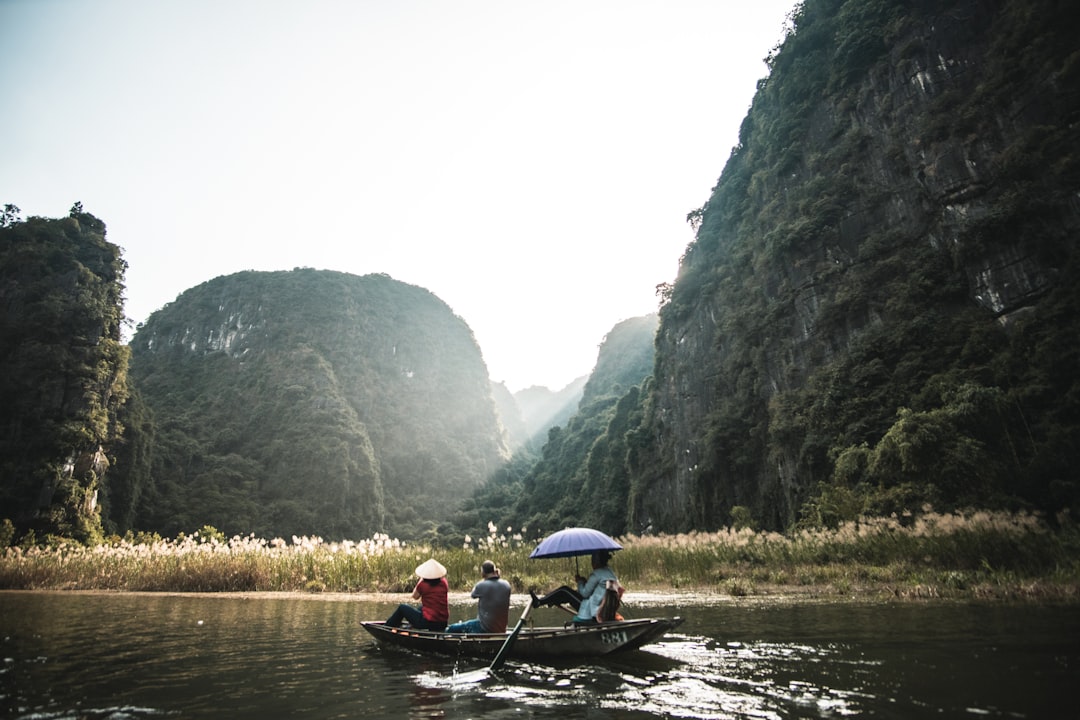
{"x":905,"y":183}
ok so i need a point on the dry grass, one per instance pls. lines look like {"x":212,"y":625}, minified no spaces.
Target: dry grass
{"x":978,"y":555}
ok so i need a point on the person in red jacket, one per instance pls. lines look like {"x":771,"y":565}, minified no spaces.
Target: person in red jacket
{"x":431,"y":591}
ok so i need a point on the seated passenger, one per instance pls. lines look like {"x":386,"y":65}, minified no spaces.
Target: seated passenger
{"x":431,"y":591}
{"x":493,"y":604}
{"x":589,"y":597}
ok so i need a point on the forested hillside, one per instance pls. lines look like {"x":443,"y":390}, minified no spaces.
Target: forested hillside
{"x":308,"y":402}
{"x":878,"y":313}
{"x":63,"y":371}
{"x":879,"y":309}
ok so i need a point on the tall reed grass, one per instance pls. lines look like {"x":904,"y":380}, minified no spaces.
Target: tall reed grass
{"x":929,"y":554}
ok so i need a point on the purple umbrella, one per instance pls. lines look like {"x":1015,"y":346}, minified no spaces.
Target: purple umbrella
{"x":572,"y":542}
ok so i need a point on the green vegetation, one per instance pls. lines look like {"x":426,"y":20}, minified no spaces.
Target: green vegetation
{"x":63,"y":371}
{"x":307,"y":402}
{"x":929,"y":555}
{"x":878,"y":312}
{"x":878,"y":307}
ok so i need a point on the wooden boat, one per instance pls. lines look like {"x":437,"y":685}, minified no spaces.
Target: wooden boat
{"x":565,"y":642}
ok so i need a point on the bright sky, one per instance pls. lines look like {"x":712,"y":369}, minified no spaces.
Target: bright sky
{"x":530,"y":163}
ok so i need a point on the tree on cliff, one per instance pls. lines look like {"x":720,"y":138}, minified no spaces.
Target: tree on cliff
{"x":63,"y":370}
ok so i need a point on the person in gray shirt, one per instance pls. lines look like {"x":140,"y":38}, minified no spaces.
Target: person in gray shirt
{"x":493,"y":604}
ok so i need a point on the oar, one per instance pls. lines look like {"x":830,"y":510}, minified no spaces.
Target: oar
{"x":504,"y":651}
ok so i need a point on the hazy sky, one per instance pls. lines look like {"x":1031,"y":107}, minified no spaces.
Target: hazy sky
{"x":530,"y":163}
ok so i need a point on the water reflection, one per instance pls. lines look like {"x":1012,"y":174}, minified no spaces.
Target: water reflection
{"x":145,"y":656}
{"x":427,"y":702}
{"x":685,"y":676}
{"x":754,"y":680}
{"x":883,"y":661}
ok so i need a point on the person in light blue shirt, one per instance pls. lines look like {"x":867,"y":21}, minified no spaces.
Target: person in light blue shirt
{"x":589,"y":595}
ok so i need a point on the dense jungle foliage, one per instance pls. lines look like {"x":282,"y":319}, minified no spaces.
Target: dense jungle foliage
{"x":877,"y":313}
{"x":63,"y":371}
{"x":881,"y":288}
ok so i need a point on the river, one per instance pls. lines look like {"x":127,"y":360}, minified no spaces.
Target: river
{"x":135,"y":656}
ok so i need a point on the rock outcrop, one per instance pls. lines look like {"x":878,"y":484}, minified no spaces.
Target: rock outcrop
{"x":905,"y":189}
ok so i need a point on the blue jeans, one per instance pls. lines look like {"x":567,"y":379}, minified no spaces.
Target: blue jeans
{"x":468,"y":626}
{"x":415,"y":616}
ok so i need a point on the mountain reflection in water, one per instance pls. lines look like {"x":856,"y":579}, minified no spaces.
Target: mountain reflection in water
{"x":75,"y":655}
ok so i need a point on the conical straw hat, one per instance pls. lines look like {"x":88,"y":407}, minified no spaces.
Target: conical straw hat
{"x":431,"y":570}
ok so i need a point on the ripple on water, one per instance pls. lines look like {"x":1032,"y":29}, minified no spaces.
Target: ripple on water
{"x":684,"y":676}
{"x":117,"y":657}
{"x":115,"y":713}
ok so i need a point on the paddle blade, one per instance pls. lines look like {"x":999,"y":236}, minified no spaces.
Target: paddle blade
{"x":504,"y":651}
{"x":471,"y":678}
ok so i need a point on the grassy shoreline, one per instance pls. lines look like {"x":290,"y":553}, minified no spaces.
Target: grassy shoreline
{"x":969,"y":556}
{"x":1033,"y":593}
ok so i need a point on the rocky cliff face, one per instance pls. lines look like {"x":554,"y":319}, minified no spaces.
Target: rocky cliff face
{"x":905,"y":188}
{"x":63,"y":371}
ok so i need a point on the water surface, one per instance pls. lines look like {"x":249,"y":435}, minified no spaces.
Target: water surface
{"x":75,"y":655}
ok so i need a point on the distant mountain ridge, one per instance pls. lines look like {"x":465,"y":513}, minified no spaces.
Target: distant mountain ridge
{"x":543,"y":408}
{"x":528,"y":414}
{"x":574,"y":473}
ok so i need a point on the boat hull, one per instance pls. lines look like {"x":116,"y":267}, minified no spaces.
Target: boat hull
{"x":532,"y":643}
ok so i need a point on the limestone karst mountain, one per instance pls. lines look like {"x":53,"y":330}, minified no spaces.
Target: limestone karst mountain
{"x":63,"y":371}
{"x":879,"y":310}
{"x":311,"y":402}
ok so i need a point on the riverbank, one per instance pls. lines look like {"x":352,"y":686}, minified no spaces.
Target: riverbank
{"x":966,"y":556}
{"x":1035,"y":593}
{"x":1028,"y":592}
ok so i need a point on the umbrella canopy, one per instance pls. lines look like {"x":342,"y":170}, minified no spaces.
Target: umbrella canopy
{"x":572,"y":542}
